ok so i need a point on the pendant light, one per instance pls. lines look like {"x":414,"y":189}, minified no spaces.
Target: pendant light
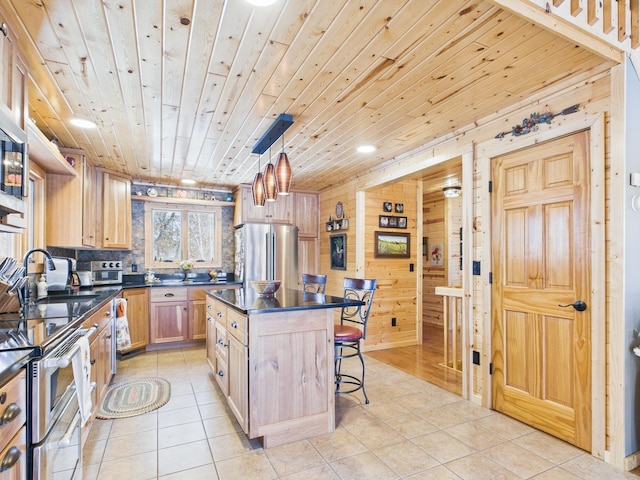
{"x":257,"y":188}
{"x":283,"y":172}
{"x":270,"y":180}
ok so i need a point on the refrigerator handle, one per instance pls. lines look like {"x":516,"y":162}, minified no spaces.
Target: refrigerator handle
{"x":270,"y":255}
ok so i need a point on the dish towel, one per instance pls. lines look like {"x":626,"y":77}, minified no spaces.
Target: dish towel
{"x":81,"y":364}
{"x":123,"y":338}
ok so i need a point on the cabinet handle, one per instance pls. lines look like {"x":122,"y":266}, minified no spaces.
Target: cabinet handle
{"x":4,"y":28}
{"x":221,"y":342}
{"x":10,"y":459}
{"x":220,"y":373}
{"x":107,"y":313}
{"x":108,"y":337}
{"x":92,"y":362}
{"x":169,"y":295}
{"x":10,"y":413}
{"x":219,"y":314}
{"x":3,"y":398}
{"x":234,"y":324}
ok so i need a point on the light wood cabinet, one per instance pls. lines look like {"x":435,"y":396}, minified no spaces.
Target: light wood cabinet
{"x":72,"y":204}
{"x":13,"y":79}
{"x":197,"y":313}
{"x":137,"y":316}
{"x":168,"y":315}
{"x":307,"y":213}
{"x":308,"y":255}
{"x":229,"y":331}
{"x":116,"y":211}
{"x":280,"y":211}
{"x":13,"y":430}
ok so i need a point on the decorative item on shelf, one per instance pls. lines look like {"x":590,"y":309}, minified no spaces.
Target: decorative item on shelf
{"x":269,"y":179}
{"x":213,"y":275}
{"x":452,"y":191}
{"x":338,"y":224}
{"x":186,"y":266}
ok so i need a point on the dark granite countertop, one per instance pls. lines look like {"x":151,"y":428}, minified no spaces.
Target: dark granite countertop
{"x":169,"y":280}
{"x":247,"y":301}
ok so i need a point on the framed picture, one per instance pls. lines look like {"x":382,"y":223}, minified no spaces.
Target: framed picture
{"x":402,"y":222}
{"x":399,"y":207}
{"x":387,"y":207}
{"x":392,"y":245}
{"x":436,"y":255}
{"x":389,"y":221}
{"x":338,"y":250}
{"x":393,"y":222}
{"x":383,"y":221}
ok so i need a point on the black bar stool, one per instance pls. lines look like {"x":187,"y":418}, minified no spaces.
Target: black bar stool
{"x":313,"y":283}
{"x":352,"y":329}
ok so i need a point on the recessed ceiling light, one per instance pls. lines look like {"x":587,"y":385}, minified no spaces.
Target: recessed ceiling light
{"x":261,"y":3}
{"x":366,"y":148}
{"x":188,"y":181}
{"x":82,"y":123}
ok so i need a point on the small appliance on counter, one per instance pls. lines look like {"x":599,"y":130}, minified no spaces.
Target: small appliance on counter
{"x":85,"y":278}
{"x":64,"y":275}
{"x":106,"y":272}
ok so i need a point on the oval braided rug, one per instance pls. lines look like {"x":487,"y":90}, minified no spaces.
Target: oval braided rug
{"x":134,"y":397}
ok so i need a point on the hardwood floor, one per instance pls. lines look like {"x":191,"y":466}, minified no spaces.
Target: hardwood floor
{"x":423,"y":361}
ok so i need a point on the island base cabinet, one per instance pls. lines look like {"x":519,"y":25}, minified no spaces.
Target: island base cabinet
{"x":291,"y":385}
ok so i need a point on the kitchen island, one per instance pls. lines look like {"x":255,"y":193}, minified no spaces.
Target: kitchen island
{"x":272,"y":357}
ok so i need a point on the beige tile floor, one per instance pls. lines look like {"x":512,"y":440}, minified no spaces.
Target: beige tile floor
{"x":411,"y":429}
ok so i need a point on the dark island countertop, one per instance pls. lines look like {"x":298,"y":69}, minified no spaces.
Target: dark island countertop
{"x":247,"y":301}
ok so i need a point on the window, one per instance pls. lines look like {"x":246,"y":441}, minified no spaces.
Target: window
{"x":176,"y":232}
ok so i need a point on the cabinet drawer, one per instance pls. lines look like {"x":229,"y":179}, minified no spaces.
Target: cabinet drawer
{"x":237,"y":325}
{"x":178,"y":294}
{"x":102,"y":317}
{"x":18,"y":470}
{"x":14,"y":406}
{"x":217,"y":311}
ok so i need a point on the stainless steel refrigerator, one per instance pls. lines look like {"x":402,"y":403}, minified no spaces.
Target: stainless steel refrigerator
{"x":267,"y":252}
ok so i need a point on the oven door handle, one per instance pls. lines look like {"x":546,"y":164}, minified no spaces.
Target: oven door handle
{"x":65,"y":441}
{"x":64,"y":361}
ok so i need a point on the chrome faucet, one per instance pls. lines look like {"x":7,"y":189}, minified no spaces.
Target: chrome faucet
{"x":25,"y":262}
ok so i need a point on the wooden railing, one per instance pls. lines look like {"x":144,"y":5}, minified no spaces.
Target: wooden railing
{"x":452,"y":309}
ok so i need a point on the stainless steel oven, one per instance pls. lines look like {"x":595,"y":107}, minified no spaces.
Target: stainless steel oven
{"x":56,"y":425}
{"x":106,"y":272}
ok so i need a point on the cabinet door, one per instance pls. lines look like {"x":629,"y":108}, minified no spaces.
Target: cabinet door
{"x":248,"y":211}
{"x":138,"y":316}
{"x":307,"y":216}
{"x":105,"y":358}
{"x":211,"y":343}
{"x":19,"y":100}
{"x":197,"y":320}
{"x":280,"y":211}
{"x":116,"y":209}
{"x":308,"y":255}
{"x":94,"y":355}
{"x":168,"y":322}
{"x":89,"y":204}
{"x":18,"y":471}
{"x":238,"y":367}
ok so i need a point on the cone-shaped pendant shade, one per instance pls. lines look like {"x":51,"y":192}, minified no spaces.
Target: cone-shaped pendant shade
{"x":283,"y":174}
{"x":257,"y":189}
{"x":270,"y":182}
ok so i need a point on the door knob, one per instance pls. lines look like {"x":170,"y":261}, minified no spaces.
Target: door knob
{"x":579,"y":305}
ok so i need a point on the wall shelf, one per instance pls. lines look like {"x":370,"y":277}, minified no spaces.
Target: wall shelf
{"x":337,"y":225}
{"x":45,"y":154}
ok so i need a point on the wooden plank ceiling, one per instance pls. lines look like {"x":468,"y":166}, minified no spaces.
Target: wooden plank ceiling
{"x":184,"y":88}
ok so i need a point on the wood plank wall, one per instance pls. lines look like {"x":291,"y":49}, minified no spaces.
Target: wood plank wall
{"x":590,"y":92}
{"x":433,"y":218}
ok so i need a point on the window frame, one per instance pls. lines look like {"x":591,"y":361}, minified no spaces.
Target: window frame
{"x":185,"y":210}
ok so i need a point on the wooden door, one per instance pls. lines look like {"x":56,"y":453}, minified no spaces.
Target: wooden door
{"x":168,"y":322}
{"x":540,"y":249}
{"x":137,"y":316}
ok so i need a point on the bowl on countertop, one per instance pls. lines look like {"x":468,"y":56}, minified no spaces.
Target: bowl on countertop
{"x":265,"y":287}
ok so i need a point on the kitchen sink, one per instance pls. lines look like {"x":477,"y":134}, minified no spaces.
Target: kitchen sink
{"x":68,"y":298}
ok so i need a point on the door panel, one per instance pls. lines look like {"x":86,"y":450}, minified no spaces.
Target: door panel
{"x":540,"y":243}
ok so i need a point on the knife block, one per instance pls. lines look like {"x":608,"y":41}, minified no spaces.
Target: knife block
{"x":9,"y":302}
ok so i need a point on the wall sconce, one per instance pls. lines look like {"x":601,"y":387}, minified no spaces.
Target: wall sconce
{"x":452,"y":192}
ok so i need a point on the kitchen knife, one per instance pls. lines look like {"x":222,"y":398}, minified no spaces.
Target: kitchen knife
{"x":15,"y":275}
{"x":3,"y":265}
{"x":6,"y":266}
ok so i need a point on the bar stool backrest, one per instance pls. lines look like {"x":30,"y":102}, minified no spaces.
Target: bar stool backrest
{"x":313,"y":283}
{"x":363,"y":290}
